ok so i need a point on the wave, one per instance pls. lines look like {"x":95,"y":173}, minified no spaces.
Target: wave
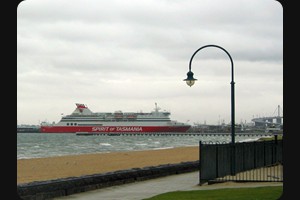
{"x":249,"y":140}
{"x":105,"y":144}
{"x":141,"y":144}
{"x":158,"y":148}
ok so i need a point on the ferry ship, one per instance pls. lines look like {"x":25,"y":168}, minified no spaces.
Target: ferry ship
{"x":83,"y":120}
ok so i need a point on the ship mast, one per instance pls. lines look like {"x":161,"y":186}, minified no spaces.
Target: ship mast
{"x":156,"y":108}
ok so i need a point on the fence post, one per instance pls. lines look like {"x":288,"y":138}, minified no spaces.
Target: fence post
{"x":276,"y":146}
{"x":200,"y":145}
{"x":264,"y":152}
{"x":232,"y":159}
{"x":254,"y":154}
{"x":217,"y":160}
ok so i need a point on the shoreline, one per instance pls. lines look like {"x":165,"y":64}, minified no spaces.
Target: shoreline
{"x":50,"y":168}
{"x":104,"y":152}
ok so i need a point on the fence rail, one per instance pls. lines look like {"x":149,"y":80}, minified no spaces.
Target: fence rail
{"x":247,"y":161}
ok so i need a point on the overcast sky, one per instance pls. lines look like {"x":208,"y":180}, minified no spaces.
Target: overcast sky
{"x":128,"y":55}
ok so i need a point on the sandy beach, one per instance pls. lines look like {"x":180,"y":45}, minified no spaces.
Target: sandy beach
{"x":40,"y":169}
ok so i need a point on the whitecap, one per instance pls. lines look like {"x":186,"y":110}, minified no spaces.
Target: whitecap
{"x":105,"y":144}
{"x":141,"y":144}
{"x":249,"y":140}
{"x":158,"y":148}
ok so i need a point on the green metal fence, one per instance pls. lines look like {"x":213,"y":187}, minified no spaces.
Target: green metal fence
{"x":246,"y":161}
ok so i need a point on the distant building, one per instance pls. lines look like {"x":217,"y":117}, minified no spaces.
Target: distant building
{"x":25,"y":128}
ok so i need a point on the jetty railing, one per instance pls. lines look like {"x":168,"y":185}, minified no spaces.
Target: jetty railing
{"x":259,"y":161}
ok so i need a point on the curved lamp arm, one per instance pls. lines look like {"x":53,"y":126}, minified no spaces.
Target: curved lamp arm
{"x":190,"y":80}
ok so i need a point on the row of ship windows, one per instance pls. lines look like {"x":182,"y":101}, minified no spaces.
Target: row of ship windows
{"x":75,"y":124}
{"x":141,"y":120}
{"x":89,"y":119}
{"x":71,"y":124}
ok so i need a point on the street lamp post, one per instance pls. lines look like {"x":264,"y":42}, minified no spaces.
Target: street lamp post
{"x":190,"y":80}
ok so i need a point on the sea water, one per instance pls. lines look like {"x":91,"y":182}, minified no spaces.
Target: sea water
{"x":39,"y":145}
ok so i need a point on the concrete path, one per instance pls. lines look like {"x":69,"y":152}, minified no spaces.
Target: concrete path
{"x":148,"y":188}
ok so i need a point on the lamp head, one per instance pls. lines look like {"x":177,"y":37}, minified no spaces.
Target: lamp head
{"x":190,"y":80}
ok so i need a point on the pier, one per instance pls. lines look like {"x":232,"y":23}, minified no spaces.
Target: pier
{"x":262,"y":134}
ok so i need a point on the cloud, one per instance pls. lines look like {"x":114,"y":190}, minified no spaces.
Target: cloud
{"x":139,"y":51}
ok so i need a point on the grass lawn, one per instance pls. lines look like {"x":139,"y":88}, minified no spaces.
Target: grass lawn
{"x":279,"y":137}
{"x":258,"y":193}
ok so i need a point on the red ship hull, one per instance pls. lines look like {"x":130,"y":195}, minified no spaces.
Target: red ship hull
{"x":112,"y":129}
